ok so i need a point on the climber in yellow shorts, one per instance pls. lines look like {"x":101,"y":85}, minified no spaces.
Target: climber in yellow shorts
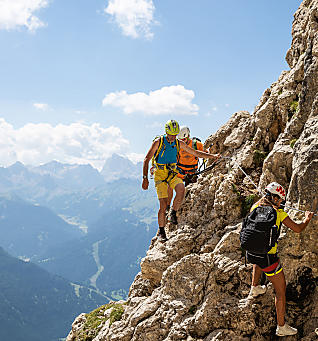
{"x":164,"y":151}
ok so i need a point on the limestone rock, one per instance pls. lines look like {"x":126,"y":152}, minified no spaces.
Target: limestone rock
{"x":194,"y":287}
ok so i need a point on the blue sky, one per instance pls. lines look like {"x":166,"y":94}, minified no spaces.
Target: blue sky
{"x":82,"y":79}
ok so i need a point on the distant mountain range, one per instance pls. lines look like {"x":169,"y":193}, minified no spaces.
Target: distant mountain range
{"x":28,"y":230}
{"x":36,"y":305}
{"x":107,"y":258}
{"x":55,"y":177}
{"x":118,"y":167}
{"x":73,"y":221}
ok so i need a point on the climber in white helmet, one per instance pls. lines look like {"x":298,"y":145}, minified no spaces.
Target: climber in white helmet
{"x":187,"y":164}
{"x":269,"y":263}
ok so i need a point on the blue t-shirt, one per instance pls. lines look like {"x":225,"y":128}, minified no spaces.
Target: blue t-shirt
{"x":168,"y":152}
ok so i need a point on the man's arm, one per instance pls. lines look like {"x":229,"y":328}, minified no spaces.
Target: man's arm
{"x":197,"y":153}
{"x":150,"y":154}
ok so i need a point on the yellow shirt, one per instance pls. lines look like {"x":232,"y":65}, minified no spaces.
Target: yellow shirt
{"x":281,"y":215}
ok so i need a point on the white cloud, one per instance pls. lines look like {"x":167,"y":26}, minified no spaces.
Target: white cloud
{"x":17,"y":13}
{"x":41,"y":106}
{"x":134,"y":17}
{"x":35,"y":144}
{"x":173,"y":99}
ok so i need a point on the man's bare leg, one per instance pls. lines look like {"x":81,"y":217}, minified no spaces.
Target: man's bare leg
{"x":180,"y":189}
{"x":162,"y":219}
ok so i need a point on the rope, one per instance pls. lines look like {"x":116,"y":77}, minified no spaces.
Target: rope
{"x":296,"y":209}
{"x":291,"y":208}
{"x":251,"y":181}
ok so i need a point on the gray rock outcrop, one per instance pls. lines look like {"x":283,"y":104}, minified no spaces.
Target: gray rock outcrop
{"x":194,"y":287}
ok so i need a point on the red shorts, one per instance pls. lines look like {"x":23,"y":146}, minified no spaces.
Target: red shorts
{"x":269,"y":263}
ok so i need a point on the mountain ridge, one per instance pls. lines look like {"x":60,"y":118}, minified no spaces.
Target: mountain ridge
{"x":59,"y":227}
{"x":68,"y":176}
{"x":31,"y":298}
{"x":195,"y":286}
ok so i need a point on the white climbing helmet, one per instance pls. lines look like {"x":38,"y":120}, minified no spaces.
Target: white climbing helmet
{"x":277,"y":189}
{"x":184,"y":133}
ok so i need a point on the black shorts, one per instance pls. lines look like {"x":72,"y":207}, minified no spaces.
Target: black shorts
{"x":269,"y":263}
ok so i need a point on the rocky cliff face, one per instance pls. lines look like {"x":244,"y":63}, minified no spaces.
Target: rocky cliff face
{"x":194,"y":287}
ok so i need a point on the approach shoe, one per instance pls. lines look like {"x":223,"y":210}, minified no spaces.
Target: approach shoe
{"x":161,"y":235}
{"x":285,"y":330}
{"x":257,"y":291}
{"x":173,"y":217}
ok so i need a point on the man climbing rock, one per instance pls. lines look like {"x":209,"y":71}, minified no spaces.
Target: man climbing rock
{"x":187,"y":164}
{"x":164,"y":152}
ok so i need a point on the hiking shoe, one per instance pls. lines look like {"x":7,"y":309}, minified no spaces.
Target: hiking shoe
{"x":285,"y":330}
{"x":173,"y":217}
{"x":256,"y":291}
{"x":162,"y":235}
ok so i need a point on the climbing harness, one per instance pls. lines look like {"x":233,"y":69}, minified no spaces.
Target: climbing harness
{"x":206,"y":169}
{"x":188,"y":164}
{"x":171,"y":172}
{"x":203,"y":164}
{"x":191,"y":178}
{"x":160,"y":151}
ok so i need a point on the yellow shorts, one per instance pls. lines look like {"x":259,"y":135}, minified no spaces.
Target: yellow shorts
{"x":162,"y":186}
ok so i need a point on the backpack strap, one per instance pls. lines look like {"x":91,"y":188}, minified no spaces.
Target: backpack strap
{"x":195,"y":140}
{"x":178,"y":149}
{"x":194,"y":144}
{"x":178,"y":146}
{"x":156,"y":155}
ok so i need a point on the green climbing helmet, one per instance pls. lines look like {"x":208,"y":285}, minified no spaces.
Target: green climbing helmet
{"x":172,"y":127}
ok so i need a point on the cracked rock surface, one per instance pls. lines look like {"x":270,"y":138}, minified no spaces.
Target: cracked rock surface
{"x":194,"y":286}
